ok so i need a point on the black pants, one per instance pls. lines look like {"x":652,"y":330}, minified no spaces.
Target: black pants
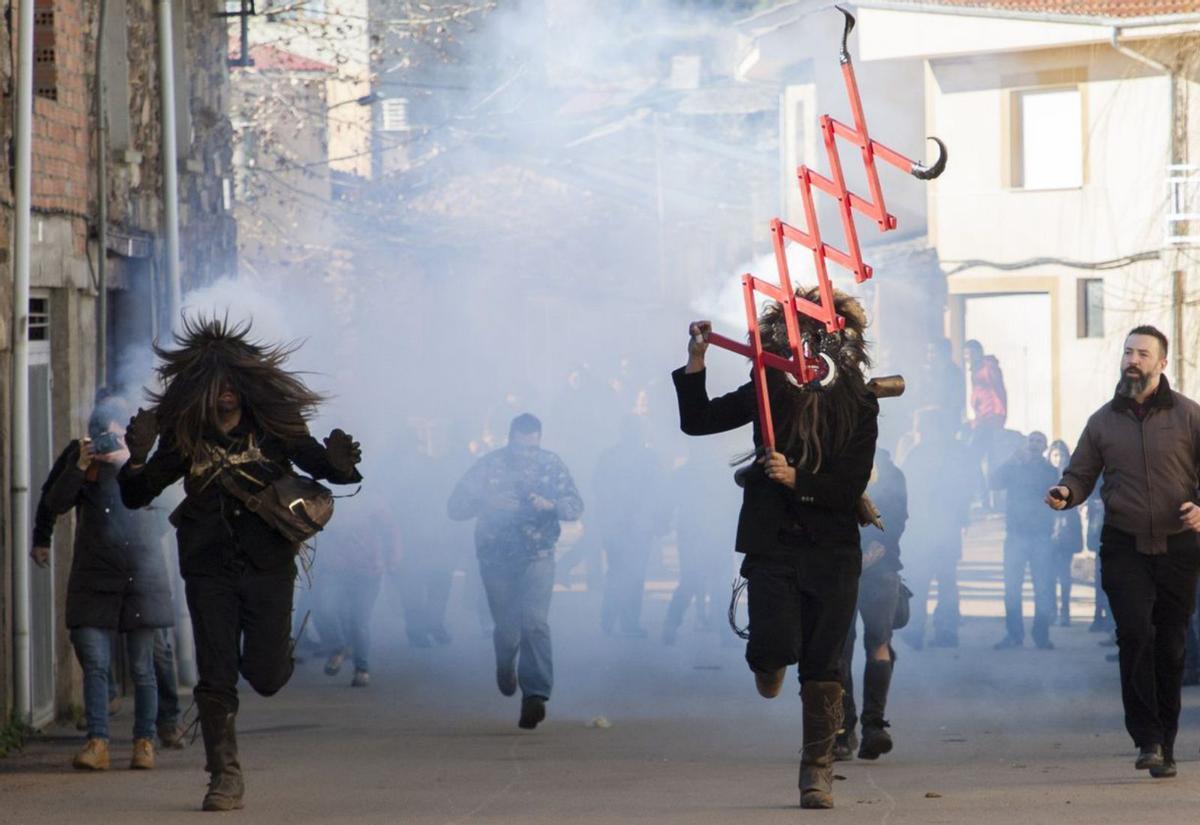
{"x":704,"y":574}
{"x":1062,"y":578}
{"x":878,"y":592}
{"x":937,"y":562}
{"x":1152,"y":598}
{"x":1035,"y":552}
{"x":625,"y":582}
{"x":241,"y":620}
{"x":801,"y":609}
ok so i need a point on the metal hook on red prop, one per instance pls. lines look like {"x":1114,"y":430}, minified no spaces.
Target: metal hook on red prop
{"x":922,"y":172}
{"x":845,"y":53}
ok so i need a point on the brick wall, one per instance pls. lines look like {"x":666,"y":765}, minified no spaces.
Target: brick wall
{"x":60,"y":127}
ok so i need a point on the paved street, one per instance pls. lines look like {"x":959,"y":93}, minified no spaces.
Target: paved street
{"x":1022,"y":736}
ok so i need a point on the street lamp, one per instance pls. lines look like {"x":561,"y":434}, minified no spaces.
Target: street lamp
{"x":365,"y":100}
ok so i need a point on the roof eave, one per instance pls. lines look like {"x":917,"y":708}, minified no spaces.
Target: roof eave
{"x":1043,"y":17}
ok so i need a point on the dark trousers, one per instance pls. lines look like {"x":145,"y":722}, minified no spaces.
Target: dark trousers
{"x":801,"y":609}
{"x":1152,"y":599}
{"x":1102,"y":613}
{"x":241,"y":620}
{"x":425,"y":583}
{"x":878,"y":593}
{"x":624,"y":582}
{"x":940,"y":565}
{"x":1032,"y":552}
{"x":1062,"y":579}
{"x":345,"y":603}
{"x":518,"y":593}
{"x":703,"y":575}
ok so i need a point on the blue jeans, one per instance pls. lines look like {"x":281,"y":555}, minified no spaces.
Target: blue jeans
{"x":518,"y":593}
{"x":93,"y":648}
{"x":346,"y":602}
{"x":166,"y":678}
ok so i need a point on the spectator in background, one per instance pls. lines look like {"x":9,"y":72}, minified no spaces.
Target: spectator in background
{"x":430,"y":556}
{"x":118,"y":581}
{"x":878,"y":596}
{"x":1028,"y":527}
{"x":706,"y":504}
{"x":1094,"y":509}
{"x":941,"y":381}
{"x":631,"y":513}
{"x":941,"y":480}
{"x":356,"y":552}
{"x":989,"y":398}
{"x":988,"y":408}
{"x":1066,"y":538}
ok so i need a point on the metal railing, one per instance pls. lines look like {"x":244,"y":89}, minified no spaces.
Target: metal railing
{"x":1183,"y":204}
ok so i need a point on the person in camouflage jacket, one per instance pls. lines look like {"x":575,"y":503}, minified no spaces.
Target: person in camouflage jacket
{"x":518,"y":495}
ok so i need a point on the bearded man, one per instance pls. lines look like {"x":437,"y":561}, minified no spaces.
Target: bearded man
{"x":1146,"y":442}
{"x":798,"y":527}
{"x":230,"y":420}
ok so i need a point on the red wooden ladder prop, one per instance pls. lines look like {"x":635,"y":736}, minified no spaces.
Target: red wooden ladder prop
{"x":804,"y":364}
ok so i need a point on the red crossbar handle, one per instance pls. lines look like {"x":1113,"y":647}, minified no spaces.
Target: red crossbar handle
{"x":802,"y":364}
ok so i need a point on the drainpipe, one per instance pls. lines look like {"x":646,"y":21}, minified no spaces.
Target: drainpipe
{"x":1174,"y":153}
{"x":170,"y":193}
{"x":19,"y":448}
{"x":102,"y":205}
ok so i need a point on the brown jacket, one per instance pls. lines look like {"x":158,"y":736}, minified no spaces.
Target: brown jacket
{"x":1150,"y":467}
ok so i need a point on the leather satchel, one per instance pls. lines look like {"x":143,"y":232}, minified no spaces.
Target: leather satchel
{"x":296,"y":507}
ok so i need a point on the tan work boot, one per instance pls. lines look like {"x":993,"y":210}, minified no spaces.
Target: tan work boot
{"x":93,"y":757}
{"x":769,"y":683}
{"x":143,"y":755}
{"x":823,"y":716}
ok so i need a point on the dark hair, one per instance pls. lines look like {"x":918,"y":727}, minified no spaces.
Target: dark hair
{"x":812,"y":424}
{"x":524,"y":424}
{"x":1153,"y":332}
{"x":211,"y":353}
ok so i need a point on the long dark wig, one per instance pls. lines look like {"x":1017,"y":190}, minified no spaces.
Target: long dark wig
{"x":212,"y":353}
{"x":811,"y":423}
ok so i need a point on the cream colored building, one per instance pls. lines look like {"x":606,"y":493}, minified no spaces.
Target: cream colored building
{"x":336,"y":33}
{"x":1052,"y":220}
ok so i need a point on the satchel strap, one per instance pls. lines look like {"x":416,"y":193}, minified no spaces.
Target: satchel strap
{"x":251,"y":501}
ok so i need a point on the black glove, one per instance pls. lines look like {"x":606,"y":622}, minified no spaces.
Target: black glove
{"x":343,"y":451}
{"x":140,"y":435}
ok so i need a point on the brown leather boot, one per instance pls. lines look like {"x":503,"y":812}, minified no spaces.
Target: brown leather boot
{"x":93,"y":757}
{"x":225,"y":786}
{"x":822,"y":721}
{"x":769,"y":682}
{"x":143,"y":755}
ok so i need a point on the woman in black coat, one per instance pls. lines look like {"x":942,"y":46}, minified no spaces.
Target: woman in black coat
{"x":118,"y":581}
{"x":798,"y":527}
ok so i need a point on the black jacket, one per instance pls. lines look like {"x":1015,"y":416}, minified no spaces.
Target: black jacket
{"x":776,"y":520}
{"x":118,"y":577}
{"x":889,"y":493}
{"x":1026,"y":479}
{"x":213,"y":526}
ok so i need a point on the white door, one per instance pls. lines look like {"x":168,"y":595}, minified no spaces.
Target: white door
{"x":1016,"y":329}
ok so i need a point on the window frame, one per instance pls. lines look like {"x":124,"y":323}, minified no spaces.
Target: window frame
{"x":1016,"y":155}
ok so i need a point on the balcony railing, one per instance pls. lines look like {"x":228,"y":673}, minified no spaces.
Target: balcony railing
{"x":1183,"y":204}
